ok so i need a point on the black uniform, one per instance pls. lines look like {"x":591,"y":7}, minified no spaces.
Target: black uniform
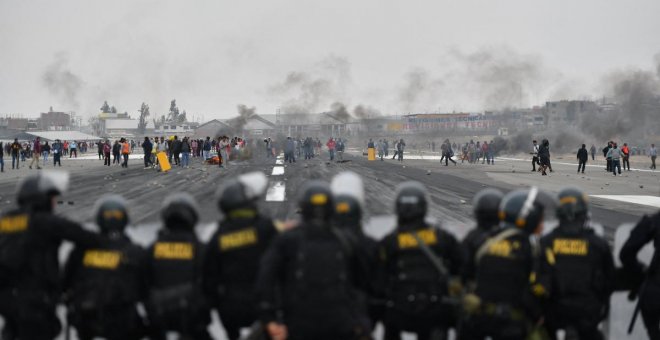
{"x":231,"y":264}
{"x":102,"y":287}
{"x":174,"y":276}
{"x":309,"y":280}
{"x":348,"y":218}
{"x":485,"y":204}
{"x":29,"y":270}
{"x":471,"y":243}
{"x":647,"y":230}
{"x":416,"y":290}
{"x":579,"y":276}
{"x":503,"y":286}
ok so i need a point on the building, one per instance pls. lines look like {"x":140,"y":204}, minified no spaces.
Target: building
{"x":128,"y":128}
{"x":452,"y":123}
{"x":14,"y":122}
{"x":55,"y":121}
{"x":185,"y":129}
{"x":310,"y":124}
{"x":213,"y":129}
{"x":568,"y":112}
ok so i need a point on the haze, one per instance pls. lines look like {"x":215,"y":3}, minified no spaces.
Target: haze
{"x":392,"y":56}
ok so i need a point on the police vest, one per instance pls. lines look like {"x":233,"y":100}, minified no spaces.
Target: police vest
{"x":14,"y":229}
{"x":414,"y":282}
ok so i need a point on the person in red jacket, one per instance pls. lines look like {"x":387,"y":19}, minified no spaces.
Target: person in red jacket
{"x":331,"y":148}
{"x":626,"y":156}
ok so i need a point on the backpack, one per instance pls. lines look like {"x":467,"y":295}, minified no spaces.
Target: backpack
{"x":324,"y":277}
{"x":419,"y":287}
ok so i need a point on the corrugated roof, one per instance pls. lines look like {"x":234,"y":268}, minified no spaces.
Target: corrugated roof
{"x":62,"y":135}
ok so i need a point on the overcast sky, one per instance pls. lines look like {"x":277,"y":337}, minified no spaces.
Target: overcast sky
{"x":392,"y":56}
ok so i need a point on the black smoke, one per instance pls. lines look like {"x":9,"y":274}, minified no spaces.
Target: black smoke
{"x":62,"y":82}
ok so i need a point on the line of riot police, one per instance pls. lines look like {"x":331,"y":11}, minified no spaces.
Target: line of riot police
{"x":322,"y":279}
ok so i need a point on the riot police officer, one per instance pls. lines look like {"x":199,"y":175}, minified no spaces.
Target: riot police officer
{"x":348,"y":194}
{"x":503,"y":303}
{"x":486,"y":204}
{"x":647,"y":230}
{"x":174,"y":274}
{"x":103,"y":284}
{"x":580,"y":270}
{"x":30,"y":238}
{"x":310,"y":277}
{"x":233,"y":254}
{"x":419,"y":262}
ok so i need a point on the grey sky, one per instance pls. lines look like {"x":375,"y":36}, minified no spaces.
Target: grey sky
{"x":395,"y":56}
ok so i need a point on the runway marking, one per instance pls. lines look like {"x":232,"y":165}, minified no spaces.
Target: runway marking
{"x":278,"y":170}
{"x":276,"y":192}
{"x":651,"y":201}
{"x":573,"y":164}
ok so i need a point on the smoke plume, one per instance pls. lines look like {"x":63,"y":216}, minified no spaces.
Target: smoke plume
{"x":420,"y":91}
{"x":244,"y":114}
{"x":636,"y":94}
{"x":62,"y":82}
{"x":489,"y":78}
{"x":365,"y":111}
{"x":304,"y":92}
{"x":339,"y":111}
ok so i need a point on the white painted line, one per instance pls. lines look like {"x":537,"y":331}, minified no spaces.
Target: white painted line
{"x":276,"y":192}
{"x":573,"y":164}
{"x":651,"y":201}
{"x":278,"y":170}
{"x":279,"y":162}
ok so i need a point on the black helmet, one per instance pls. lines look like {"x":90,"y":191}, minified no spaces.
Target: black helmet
{"x":522,"y":209}
{"x":316,"y":201}
{"x":411,"y":201}
{"x":573,"y":204}
{"x":347,"y":210}
{"x":111,"y":214}
{"x":242,"y":193}
{"x":179,"y":211}
{"x":36,"y":191}
{"x":486,"y":205}
{"x":232,"y":196}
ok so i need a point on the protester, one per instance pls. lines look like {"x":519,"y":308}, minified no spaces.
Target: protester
{"x":615,"y":154}
{"x":653,"y":153}
{"x":37,"y":151}
{"x":45,"y":151}
{"x":626,"y":156}
{"x":582,"y":157}
{"x":57,"y":152}
{"x":125,"y":151}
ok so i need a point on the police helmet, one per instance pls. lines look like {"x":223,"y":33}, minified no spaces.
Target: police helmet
{"x":316,"y":201}
{"x":347,"y":210}
{"x":348,"y":191}
{"x":522,"y":209}
{"x":179,"y":211}
{"x":36,"y":191}
{"x":111,"y":213}
{"x":411,"y":201}
{"x":486,"y":205}
{"x":573,"y":204}
{"x":242,"y":192}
